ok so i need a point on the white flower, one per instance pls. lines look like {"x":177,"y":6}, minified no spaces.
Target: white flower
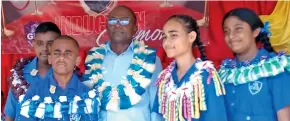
{"x":40,"y":111}
{"x":16,"y":81}
{"x":62,"y":99}
{"x":147,"y":52}
{"x":94,"y":77}
{"x":12,"y":70}
{"x":77,"y":98}
{"x":204,"y":65}
{"x":87,"y":71}
{"x":21,"y":98}
{"x":92,"y":93}
{"x":88,"y":108}
{"x":56,"y":112}
{"x":36,"y":97}
{"x":25,"y":108}
{"x":195,"y":77}
{"x":149,"y":67}
{"x":47,"y":100}
{"x":89,"y":83}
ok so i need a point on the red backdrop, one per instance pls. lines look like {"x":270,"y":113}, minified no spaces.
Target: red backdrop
{"x":216,"y":50}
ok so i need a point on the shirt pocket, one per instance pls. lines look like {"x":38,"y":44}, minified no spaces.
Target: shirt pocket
{"x":262,"y":103}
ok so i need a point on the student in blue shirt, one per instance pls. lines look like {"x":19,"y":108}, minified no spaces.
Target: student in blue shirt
{"x":257,"y":80}
{"x":62,"y":82}
{"x":33,"y":69}
{"x":124,"y":71}
{"x":189,"y":89}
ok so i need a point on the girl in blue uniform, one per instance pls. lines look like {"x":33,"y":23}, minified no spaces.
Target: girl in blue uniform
{"x":189,"y":89}
{"x":257,"y":81}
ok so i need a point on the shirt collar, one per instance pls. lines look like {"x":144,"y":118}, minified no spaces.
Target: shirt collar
{"x":33,"y":65}
{"x":186,"y":76}
{"x":72,"y":84}
{"x":30,"y":66}
{"x":261,"y":52}
{"x":108,"y":47}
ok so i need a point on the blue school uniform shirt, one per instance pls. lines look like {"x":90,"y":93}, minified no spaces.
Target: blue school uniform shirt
{"x":115,"y":67}
{"x":259,"y":100}
{"x":73,"y":88}
{"x":12,"y":107}
{"x":215,"y":104}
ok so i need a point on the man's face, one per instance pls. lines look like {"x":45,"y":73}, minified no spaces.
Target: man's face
{"x":121,"y":26}
{"x":64,"y":56}
{"x":41,"y":43}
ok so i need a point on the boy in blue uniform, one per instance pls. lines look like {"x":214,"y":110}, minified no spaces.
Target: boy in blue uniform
{"x":62,"y":82}
{"x":189,"y":88}
{"x":257,"y":80}
{"x":36,"y":69}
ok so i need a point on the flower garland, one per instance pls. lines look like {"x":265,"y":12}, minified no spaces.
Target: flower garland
{"x":186,"y":102}
{"x":17,"y":81}
{"x":129,"y":92}
{"x":76,"y":107}
{"x":266,"y":66}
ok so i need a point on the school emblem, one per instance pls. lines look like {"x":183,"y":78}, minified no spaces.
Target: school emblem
{"x":33,"y":72}
{"x":255,"y":87}
{"x":52,"y":89}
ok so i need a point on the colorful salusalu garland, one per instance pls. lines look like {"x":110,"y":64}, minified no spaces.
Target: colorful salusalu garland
{"x":76,"y":107}
{"x":16,"y":80}
{"x":129,"y":92}
{"x":265,"y":66}
{"x":186,"y":102}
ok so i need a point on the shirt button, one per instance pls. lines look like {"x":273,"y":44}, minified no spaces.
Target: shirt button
{"x":233,"y":91}
{"x":248,"y":118}
{"x":232,"y":104}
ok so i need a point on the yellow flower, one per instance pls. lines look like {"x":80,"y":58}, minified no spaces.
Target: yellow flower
{"x":130,"y":72}
{"x":136,"y":50}
{"x":89,"y":58}
{"x":115,"y":94}
{"x":142,"y":49}
{"x":98,"y":55}
{"x":100,"y":76}
{"x":103,"y":46}
{"x":125,"y":83}
{"x":134,"y":60}
{"x":140,"y":62}
{"x":141,"y":43}
{"x":96,"y":66}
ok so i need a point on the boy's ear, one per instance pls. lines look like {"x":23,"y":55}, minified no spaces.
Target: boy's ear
{"x":78,"y":61}
{"x":33,"y":42}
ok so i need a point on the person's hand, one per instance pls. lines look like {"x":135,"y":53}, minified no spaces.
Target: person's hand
{"x":203,"y":21}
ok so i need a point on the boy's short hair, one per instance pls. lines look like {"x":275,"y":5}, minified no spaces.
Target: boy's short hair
{"x":46,"y":27}
{"x":69,"y":38}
